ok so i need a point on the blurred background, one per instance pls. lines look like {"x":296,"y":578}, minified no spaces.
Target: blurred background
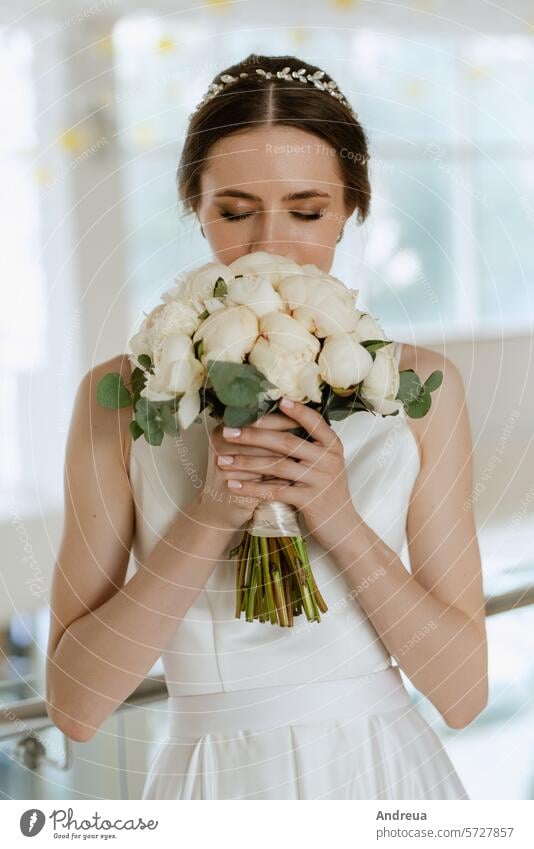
{"x":94,"y":100}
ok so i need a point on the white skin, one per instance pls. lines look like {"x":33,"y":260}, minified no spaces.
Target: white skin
{"x":105,"y":636}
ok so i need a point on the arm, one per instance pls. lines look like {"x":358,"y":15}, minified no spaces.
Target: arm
{"x":106,"y":635}
{"x":432,"y":621}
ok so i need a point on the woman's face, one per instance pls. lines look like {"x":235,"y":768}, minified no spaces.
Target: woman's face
{"x":276,"y":189}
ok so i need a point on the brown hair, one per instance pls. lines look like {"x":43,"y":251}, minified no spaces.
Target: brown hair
{"x":255,"y":101}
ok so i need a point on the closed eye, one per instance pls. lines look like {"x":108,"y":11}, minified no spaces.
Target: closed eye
{"x":303,"y":216}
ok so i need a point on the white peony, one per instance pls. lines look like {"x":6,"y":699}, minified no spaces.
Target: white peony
{"x":280,"y":367}
{"x":197,"y":286}
{"x":180,"y":371}
{"x":141,"y":342}
{"x":321,"y":303}
{"x":368,"y":328}
{"x":280,"y":353}
{"x":177,"y":316}
{"x":188,"y":409}
{"x":310,"y":381}
{"x":273,"y":266}
{"x":381,"y":385}
{"x":289,"y":334}
{"x":343,"y":362}
{"x":256,"y":292}
{"x":214,"y":304}
{"x":228,"y":335}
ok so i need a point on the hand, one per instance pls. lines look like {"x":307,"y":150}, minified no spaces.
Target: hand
{"x":310,"y":473}
{"x":222,"y":507}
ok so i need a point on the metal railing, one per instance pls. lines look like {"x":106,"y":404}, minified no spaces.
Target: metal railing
{"x":31,"y":713}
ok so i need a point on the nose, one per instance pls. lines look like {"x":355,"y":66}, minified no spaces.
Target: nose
{"x":270,"y":232}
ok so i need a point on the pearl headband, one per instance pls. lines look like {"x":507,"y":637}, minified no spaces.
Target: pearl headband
{"x":285,"y":74}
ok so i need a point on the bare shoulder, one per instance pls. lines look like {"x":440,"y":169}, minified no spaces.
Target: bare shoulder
{"x":109,"y":427}
{"x":448,"y":401}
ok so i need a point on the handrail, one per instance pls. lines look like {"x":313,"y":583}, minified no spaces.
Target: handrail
{"x":32,"y":714}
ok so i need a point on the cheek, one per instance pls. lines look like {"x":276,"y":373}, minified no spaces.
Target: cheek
{"x":316,"y":243}
{"x":225,"y":240}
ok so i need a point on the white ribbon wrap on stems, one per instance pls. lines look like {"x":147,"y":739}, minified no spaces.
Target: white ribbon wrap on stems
{"x":274,"y":519}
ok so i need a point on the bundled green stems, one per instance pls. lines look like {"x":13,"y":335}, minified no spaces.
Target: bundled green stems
{"x":274,"y":580}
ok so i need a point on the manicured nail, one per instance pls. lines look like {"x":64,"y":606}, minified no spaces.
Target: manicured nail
{"x":233,"y":484}
{"x":231,"y":431}
{"x":226,"y":459}
{"x":287,"y":402}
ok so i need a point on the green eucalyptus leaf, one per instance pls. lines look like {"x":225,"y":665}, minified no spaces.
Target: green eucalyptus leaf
{"x":138,"y":383}
{"x":374,"y":345}
{"x":168,"y":421}
{"x":145,"y":361}
{"x":112,"y":393}
{"x":154,"y":434}
{"x":203,"y":315}
{"x":236,"y":384}
{"x":238,"y":416}
{"x":135,"y":429}
{"x":145,"y":412}
{"x":420,"y":406}
{"x":409,"y":386}
{"x":434,"y":381}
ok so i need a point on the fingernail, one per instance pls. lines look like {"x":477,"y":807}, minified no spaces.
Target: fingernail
{"x":286,"y":402}
{"x":231,"y":431}
{"x":233,"y":484}
{"x":226,"y":459}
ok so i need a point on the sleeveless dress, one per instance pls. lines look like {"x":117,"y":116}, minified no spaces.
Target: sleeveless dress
{"x":316,"y":711}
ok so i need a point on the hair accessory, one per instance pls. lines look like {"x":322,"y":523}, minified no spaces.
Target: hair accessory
{"x":316,"y":79}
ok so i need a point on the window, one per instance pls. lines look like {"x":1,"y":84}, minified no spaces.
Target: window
{"x":445,"y":249}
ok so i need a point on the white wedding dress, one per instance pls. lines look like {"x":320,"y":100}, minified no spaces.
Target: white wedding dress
{"x":316,"y":711}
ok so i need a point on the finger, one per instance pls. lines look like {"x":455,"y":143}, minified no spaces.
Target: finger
{"x":312,"y":421}
{"x":275,"y":421}
{"x":282,"y":442}
{"x":271,"y":491}
{"x":282,"y":468}
{"x":220,"y":446}
{"x":239,"y":474}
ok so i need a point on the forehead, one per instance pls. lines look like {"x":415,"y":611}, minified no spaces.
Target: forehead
{"x":268,"y":160}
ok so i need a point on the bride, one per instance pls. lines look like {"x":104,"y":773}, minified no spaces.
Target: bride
{"x":275,"y":160}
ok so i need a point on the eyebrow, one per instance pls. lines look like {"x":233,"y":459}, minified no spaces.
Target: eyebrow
{"x":237,"y":193}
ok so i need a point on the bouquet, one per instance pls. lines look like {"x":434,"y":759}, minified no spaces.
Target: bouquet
{"x":235,"y":339}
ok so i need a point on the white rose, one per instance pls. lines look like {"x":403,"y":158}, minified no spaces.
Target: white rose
{"x":321,"y":303}
{"x":273,"y":266}
{"x":197,"y":286}
{"x":343,"y":362}
{"x":289,"y":334}
{"x":368,"y":328}
{"x":256,"y":292}
{"x":228,"y":334}
{"x":381,"y":385}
